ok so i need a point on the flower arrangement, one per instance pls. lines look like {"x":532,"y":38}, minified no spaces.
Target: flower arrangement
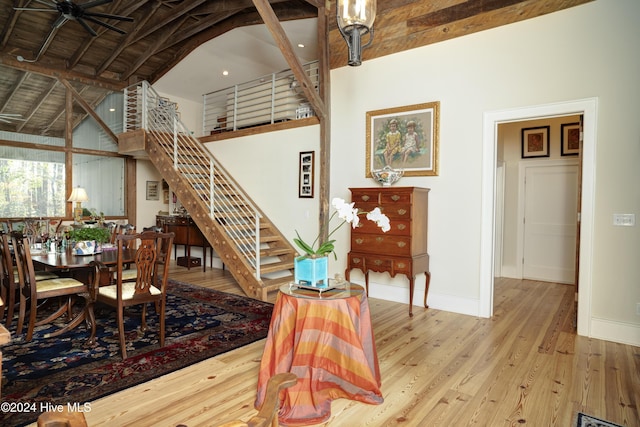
{"x":348,"y":214}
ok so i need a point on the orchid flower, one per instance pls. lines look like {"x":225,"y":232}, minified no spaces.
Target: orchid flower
{"x":348,"y":214}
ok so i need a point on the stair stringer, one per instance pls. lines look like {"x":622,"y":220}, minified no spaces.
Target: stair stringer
{"x":215,"y":233}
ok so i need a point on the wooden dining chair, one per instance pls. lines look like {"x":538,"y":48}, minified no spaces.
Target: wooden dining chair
{"x":9,"y":278}
{"x":150,"y":285}
{"x":130,"y":274}
{"x":32,"y":291}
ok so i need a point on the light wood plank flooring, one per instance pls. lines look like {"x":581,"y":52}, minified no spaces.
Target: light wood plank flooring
{"x":525,"y":366}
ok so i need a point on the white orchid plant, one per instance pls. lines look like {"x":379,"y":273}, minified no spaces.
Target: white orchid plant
{"x":348,"y":214}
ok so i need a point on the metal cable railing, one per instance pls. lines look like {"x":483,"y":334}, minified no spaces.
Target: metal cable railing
{"x":225,"y":200}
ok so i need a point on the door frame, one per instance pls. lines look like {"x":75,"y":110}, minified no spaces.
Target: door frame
{"x":588,"y":107}
{"x":522,"y":169}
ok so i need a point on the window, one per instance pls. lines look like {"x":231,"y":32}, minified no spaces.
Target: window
{"x":32,"y":183}
{"x":103,"y":179}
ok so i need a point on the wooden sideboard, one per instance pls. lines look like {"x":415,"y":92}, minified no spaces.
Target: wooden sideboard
{"x":187,"y":234}
{"x":401,"y":250}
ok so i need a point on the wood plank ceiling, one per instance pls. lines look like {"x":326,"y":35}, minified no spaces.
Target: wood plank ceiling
{"x":165,"y":31}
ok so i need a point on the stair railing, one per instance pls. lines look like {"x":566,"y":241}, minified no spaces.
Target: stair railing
{"x":225,"y":200}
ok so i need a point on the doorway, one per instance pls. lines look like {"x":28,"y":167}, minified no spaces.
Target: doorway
{"x":586,"y":107}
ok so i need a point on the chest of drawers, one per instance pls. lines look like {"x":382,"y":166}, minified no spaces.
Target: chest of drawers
{"x":401,"y":250}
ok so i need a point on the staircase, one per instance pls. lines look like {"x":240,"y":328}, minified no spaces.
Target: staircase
{"x":253,"y":250}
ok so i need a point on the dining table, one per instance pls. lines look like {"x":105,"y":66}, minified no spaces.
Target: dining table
{"x":84,"y":268}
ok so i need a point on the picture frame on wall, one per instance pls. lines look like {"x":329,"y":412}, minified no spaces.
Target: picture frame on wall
{"x":153,"y":190}
{"x":535,"y":142}
{"x":570,"y":139}
{"x":404,"y":138}
{"x":305,"y":176}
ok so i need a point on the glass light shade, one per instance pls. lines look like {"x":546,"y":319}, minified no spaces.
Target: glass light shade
{"x":358,"y":13}
{"x":355,"y":19}
{"x":78,"y":195}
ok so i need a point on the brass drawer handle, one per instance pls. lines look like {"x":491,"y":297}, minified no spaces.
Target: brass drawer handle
{"x":365,"y":198}
{"x":379,"y":239}
{"x":402,"y":211}
{"x":355,"y":260}
{"x":377,"y":262}
{"x":401,"y":265}
{"x":402,"y":244}
{"x":401,"y":226}
{"x":359,"y":241}
{"x":395,"y":197}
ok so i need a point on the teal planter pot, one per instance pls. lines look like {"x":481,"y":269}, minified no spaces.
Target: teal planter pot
{"x":312,"y":271}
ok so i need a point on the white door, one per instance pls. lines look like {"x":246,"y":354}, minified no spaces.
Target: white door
{"x":551,"y":198}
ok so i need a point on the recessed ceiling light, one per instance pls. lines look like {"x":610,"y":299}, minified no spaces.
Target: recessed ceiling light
{"x":112,"y":109}
{"x":300,"y":45}
{"x":225,"y":73}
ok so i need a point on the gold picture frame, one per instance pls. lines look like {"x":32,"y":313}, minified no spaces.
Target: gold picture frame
{"x":404,"y":138}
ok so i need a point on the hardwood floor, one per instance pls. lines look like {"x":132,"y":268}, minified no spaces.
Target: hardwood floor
{"x":525,"y":366}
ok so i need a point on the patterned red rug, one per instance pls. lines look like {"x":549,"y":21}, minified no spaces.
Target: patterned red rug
{"x":200,"y":323}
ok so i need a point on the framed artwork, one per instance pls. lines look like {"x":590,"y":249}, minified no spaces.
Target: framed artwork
{"x":153,"y":192}
{"x":404,"y":138}
{"x":305,"y":176}
{"x":535,"y":142}
{"x":570,"y":139}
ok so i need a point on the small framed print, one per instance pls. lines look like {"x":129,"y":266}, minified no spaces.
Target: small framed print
{"x":305,"y":181}
{"x":535,"y":142}
{"x":152,"y":190}
{"x":570,"y":139}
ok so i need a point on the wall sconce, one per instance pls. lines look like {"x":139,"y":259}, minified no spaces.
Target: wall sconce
{"x":355,"y":19}
{"x":78,"y":195}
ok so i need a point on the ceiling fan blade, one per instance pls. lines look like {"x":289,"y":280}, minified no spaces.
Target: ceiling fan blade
{"x":94,"y":3}
{"x":34,"y":10}
{"x":60,"y":21}
{"x":104,"y":24}
{"x":87,"y":27}
{"x":51,"y":3}
{"x":109,"y":16}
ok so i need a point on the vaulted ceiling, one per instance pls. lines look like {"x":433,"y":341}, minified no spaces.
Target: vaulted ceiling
{"x":44,"y":57}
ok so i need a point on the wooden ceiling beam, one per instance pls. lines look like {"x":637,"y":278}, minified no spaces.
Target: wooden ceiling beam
{"x":44,"y":94}
{"x":128,"y":40}
{"x":158,"y":45}
{"x":280,"y":37}
{"x":89,"y":110}
{"x":51,"y":70}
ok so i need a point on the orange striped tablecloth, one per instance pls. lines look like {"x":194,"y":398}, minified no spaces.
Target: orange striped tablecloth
{"x":328,"y":343}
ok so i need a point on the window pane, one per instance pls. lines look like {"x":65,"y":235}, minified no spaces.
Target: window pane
{"x":32,"y":183}
{"x":103,"y":179}
{"x":90,"y":135}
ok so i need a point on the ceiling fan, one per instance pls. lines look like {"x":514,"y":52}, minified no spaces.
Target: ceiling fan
{"x":71,"y":11}
{"x":7,"y":117}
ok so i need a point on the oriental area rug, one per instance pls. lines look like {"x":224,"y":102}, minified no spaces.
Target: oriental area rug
{"x":200,"y":323}
{"x":584,"y":420}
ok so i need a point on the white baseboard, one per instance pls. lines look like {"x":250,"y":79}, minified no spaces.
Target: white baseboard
{"x":443,"y":302}
{"x":619,"y":332}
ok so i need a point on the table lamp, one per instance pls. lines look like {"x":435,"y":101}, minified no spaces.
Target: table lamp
{"x":78,"y":195}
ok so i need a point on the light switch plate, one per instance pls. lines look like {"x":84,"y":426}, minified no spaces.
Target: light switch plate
{"x":625,"y":220}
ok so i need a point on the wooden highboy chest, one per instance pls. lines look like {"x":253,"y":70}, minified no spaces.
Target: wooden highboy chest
{"x":401,"y":250}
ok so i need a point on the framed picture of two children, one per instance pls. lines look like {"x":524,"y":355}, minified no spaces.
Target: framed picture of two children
{"x":404,"y":138}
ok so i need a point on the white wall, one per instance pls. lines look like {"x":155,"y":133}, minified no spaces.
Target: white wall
{"x":588,"y":51}
{"x":266,"y":166}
